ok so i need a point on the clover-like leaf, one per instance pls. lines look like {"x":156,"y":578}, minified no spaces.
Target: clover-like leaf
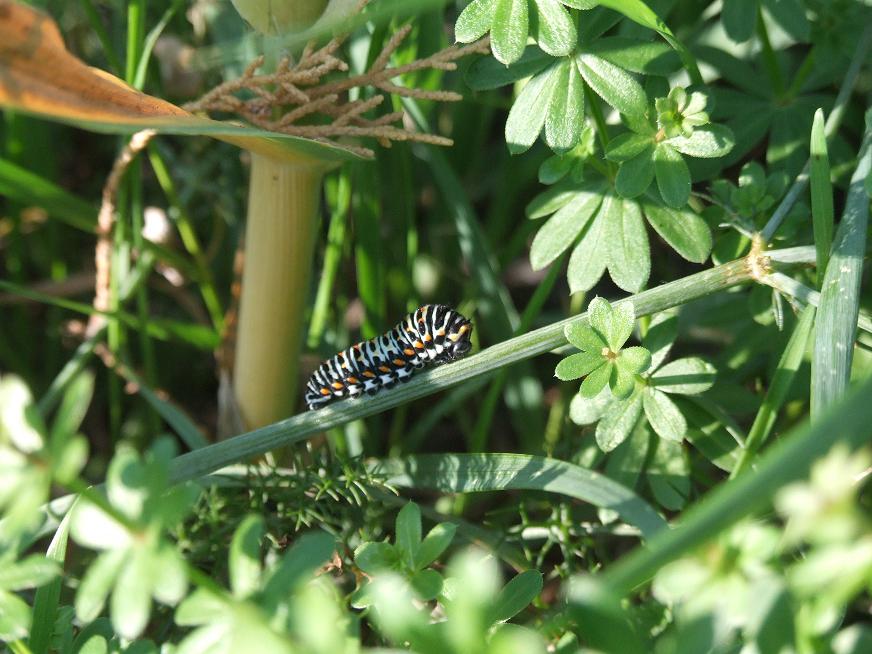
{"x":688,"y":376}
{"x":613,"y":322}
{"x":596,"y":381}
{"x":617,"y":423}
{"x":578,"y":365}
{"x":673,"y":175}
{"x":665,"y":418}
{"x":635,"y":175}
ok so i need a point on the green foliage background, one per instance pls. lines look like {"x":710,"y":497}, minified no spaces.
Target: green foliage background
{"x":701,"y":489}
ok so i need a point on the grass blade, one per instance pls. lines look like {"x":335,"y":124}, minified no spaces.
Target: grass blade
{"x":782,"y":380}
{"x":787,"y":461}
{"x":45,"y":602}
{"x":821,"y":195}
{"x":471,"y":473}
{"x":840,"y":296}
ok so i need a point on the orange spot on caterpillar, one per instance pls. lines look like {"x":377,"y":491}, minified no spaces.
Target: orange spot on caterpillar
{"x":325,"y":391}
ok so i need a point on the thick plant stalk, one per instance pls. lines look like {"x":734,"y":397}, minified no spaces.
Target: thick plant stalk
{"x":279,"y":243}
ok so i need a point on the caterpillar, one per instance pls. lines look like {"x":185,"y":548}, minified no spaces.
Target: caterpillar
{"x":433,"y":333}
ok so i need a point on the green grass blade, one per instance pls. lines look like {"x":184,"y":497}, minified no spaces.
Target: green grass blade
{"x":778,"y":389}
{"x":840,"y":296}
{"x":27,"y":188}
{"x":475,"y":473}
{"x":787,"y":461}
{"x":821,"y":195}
{"x":805,"y":295}
{"x":46,"y":599}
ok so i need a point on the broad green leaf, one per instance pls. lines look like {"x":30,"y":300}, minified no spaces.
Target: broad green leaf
{"x":855,"y":639}
{"x":509,"y":30}
{"x":673,"y":176}
{"x":628,"y":145}
{"x":556,"y":29}
{"x":661,"y":334}
{"x":685,"y":231}
{"x":586,"y":411}
{"x":578,"y":365}
{"x":588,"y":260}
{"x":635,"y":359}
{"x":376,"y":557}
{"x":130,"y":604}
{"x":97,"y":582}
{"x":14,"y":617}
{"x":465,"y":473}
{"x":821,"y":188}
{"x":427,"y":584}
{"x":561,"y":230}
{"x":584,"y":337}
{"x":244,"y":556}
{"x":613,"y":321}
{"x":408,"y":536}
{"x":623,"y":381}
{"x":618,"y":422}
{"x":649,"y":57}
{"x":614,"y":85}
{"x":627,"y":242}
{"x":487,"y":73}
{"x":664,"y":416}
{"x":200,"y":607}
{"x":74,"y":405}
{"x":516,"y":595}
{"x":596,"y":380}
{"x":790,"y":16}
{"x":739,"y":18}
{"x":668,"y":475}
{"x":435,"y":543}
{"x":565,"y":117}
{"x":474,"y":21}
{"x":170,"y":576}
{"x":34,"y":571}
{"x":635,"y":175}
{"x":550,"y":200}
{"x":688,"y":376}
{"x":527,"y":115}
{"x":601,"y":617}
{"x":309,"y":552}
{"x":706,"y":142}
{"x":836,"y":325}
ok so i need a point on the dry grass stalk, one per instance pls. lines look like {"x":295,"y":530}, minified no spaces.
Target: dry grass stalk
{"x":295,"y":91}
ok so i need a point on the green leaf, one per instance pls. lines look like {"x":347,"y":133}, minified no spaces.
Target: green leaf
{"x":170,"y":576}
{"x":618,"y":422}
{"x":561,"y":230}
{"x":589,"y":258}
{"x":648,"y":57}
{"x":130,"y":604}
{"x":435,"y":543}
{"x":601,"y":617}
{"x":97,"y":582}
{"x":550,"y":200}
{"x":661,"y":334}
{"x":474,"y":21}
{"x":688,"y":376}
{"x":309,"y":552}
{"x":628,"y":145}
{"x":686,"y":232}
{"x":470,"y":473}
{"x":855,"y":639}
{"x":244,"y":556}
{"x":635,"y":175}
{"x":516,"y":595}
{"x":486,"y":73}
{"x":614,"y":322}
{"x":628,"y":250}
{"x":664,"y":416}
{"x":839,"y":306}
{"x":790,"y":16}
{"x":74,"y":405}
{"x":739,"y":18}
{"x":527,"y":115}
{"x":821,"y":187}
{"x":34,"y":571}
{"x":584,"y":337}
{"x":614,"y":85}
{"x":668,"y":475}
{"x":596,"y":380}
{"x":509,"y":30}
{"x":200,"y":607}
{"x":376,"y":557}
{"x":586,"y":411}
{"x":14,"y":617}
{"x":635,"y":359}
{"x":427,"y":584}
{"x":578,"y":365}
{"x":622,"y":382}
{"x":45,"y":602}
{"x":556,"y":29}
{"x":706,"y":142}
{"x":565,"y":118}
{"x":408,"y":532}
{"x":673,"y":176}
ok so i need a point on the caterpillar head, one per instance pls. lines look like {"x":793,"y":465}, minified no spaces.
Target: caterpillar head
{"x":457,"y":341}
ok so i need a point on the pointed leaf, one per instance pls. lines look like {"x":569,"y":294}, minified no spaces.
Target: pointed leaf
{"x":628,"y":249}
{"x":622,"y":382}
{"x":474,"y":21}
{"x":635,"y":175}
{"x":97,"y":582}
{"x":561,"y":230}
{"x":586,"y":411}
{"x":584,"y":337}
{"x":673,"y":176}
{"x":244,"y":556}
{"x":565,"y":118}
{"x":638,"y":56}
{"x":688,"y":376}
{"x":664,"y":416}
{"x":661,"y":334}
{"x":435,"y":543}
{"x":627,"y":146}
{"x":32,"y":572}
{"x":578,"y":365}
{"x":614,"y":85}
{"x":706,"y":142}
{"x":550,"y":200}
{"x":509,"y":30}
{"x":130,"y":604}
{"x":739,"y":18}
{"x":790,"y":16}
{"x":588,"y":261}
{"x":408,"y":532}
{"x":596,"y":380}
{"x":516,"y":595}
{"x":427,"y":584}
{"x":486,"y":73}
{"x":14,"y":617}
{"x":635,"y":359}
{"x":685,"y":231}
{"x":613,"y":321}
{"x":527,"y":115}
{"x":618,"y":422}
{"x":556,"y":35}
{"x":669,"y":475}
{"x":376,"y":557}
